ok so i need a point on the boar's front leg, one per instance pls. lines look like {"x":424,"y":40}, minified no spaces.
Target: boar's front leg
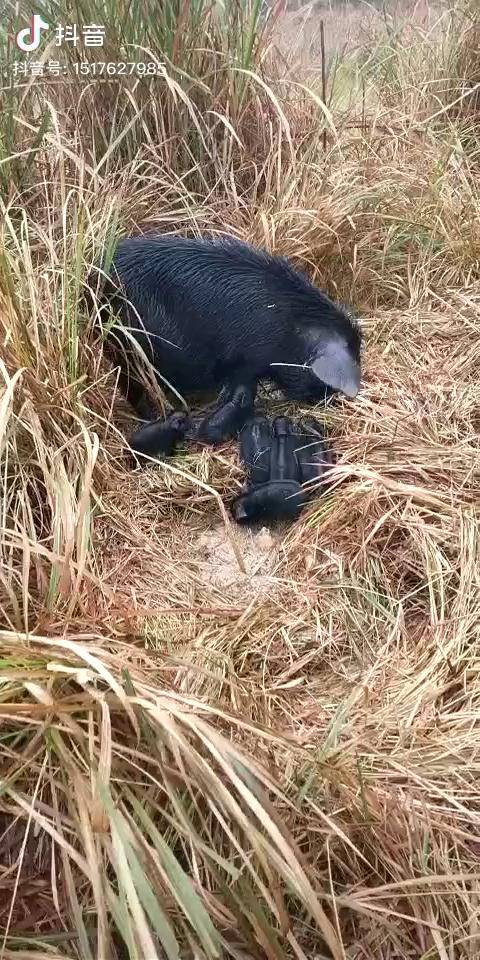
{"x":234,"y":407}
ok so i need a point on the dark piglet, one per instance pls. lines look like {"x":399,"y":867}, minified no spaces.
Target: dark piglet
{"x":218,"y":313}
{"x":285,"y":462}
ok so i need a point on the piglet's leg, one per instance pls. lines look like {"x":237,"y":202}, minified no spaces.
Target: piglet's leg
{"x":235,"y":406}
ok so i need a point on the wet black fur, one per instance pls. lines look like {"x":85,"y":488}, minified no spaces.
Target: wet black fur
{"x":218,"y":311}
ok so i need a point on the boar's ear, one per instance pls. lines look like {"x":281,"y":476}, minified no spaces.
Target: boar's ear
{"x":336,"y":367}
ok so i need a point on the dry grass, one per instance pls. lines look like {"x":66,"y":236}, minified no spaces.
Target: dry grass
{"x":281,"y":762}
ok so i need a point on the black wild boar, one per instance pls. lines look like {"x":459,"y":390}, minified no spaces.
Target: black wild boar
{"x":218,"y":313}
